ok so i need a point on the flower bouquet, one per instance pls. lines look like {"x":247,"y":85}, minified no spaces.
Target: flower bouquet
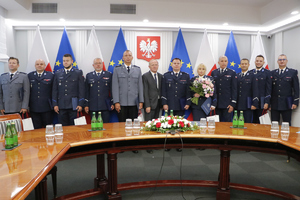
{"x":170,"y":123}
{"x":204,"y":87}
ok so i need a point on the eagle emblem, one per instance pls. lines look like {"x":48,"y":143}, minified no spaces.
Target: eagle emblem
{"x":149,"y":47}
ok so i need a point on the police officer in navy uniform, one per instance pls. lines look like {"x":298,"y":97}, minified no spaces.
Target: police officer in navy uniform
{"x":98,"y":91}
{"x":226,"y":89}
{"x":40,"y":102}
{"x":175,"y":89}
{"x":68,"y":92}
{"x":285,"y":91}
{"x":247,"y":99}
{"x":264,"y":85}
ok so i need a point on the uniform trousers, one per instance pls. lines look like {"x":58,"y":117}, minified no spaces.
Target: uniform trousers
{"x":66,"y":116}
{"x":104,"y":115}
{"x":127,"y":112}
{"x":198,"y":114}
{"x":41,"y":120}
{"x":256,"y":114}
{"x":224,"y":115}
{"x":154,"y":113}
{"x":286,"y":115}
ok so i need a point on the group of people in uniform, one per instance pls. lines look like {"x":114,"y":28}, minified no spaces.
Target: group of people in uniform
{"x":67,"y":92}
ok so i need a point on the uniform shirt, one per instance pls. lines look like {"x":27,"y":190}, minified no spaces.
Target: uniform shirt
{"x":285,"y":89}
{"x":98,"y":90}
{"x":14,"y":93}
{"x":263,"y":76}
{"x":226,"y":87}
{"x":40,"y":91}
{"x":175,"y":90}
{"x":67,"y":87}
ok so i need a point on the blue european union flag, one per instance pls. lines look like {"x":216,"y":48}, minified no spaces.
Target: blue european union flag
{"x":117,"y":55}
{"x":233,"y":54}
{"x":64,"y":48}
{"x":180,"y":51}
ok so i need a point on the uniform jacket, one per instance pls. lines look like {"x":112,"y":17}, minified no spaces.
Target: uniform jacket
{"x":40,"y":91}
{"x":203,"y":99}
{"x":66,"y":87}
{"x":176,"y":90}
{"x":264,"y":88}
{"x":285,"y":89}
{"x":151,"y":92}
{"x":127,"y":88}
{"x":14,"y":94}
{"x":247,"y":91}
{"x":226,"y":87}
{"x":98,"y":90}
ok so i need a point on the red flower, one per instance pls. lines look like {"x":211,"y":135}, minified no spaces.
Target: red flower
{"x":188,"y":125}
{"x":181,"y":124}
{"x":171,"y":121}
{"x":158,"y":124}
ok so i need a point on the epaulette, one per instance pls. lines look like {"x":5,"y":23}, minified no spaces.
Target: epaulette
{"x":183,"y":72}
{"x":119,"y":66}
{"x":22,"y":73}
{"x":135,"y":66}
{"x":4,"y":73}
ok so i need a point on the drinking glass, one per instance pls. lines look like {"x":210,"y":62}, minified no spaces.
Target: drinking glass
{"x":128,"y":132}
{"x":274,"y":129}
{"x":49,"y":130}
{"x":203,"y":123}
{"x":136,"y":124}
{"x":285,"y":131}
{"x":211,"y":124}
{"x":58,"y":128}
{"x":128,"y":124}
{"x":59,"y":137}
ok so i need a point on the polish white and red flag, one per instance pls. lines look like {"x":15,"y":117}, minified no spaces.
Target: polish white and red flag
{"x":205,"y":56}
{"x":37,"y":51}
{"x":258,"y":49}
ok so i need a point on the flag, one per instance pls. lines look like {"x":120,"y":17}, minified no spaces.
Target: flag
{"x":117,"y":59}
{"x":37,"y":51}
{"x":64,"y":48}
{"x":233,"y":55}
{"x":117,"y":55}
{"x":92,"y":51}
{"x":258,"y":49}
{"x":205,"y":56}
{"x":180,"y":52}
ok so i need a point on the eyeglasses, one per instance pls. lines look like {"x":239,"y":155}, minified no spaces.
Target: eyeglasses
{"x":281,"y":59}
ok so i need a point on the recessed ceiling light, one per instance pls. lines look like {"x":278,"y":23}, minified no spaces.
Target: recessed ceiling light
{"x":225,"y":24}
{"x":145,"y":20}
{"x":62,"y":20}
{"x":294,"y":12}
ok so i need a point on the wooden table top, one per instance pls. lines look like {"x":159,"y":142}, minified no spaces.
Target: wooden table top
{"x":24,"y":167}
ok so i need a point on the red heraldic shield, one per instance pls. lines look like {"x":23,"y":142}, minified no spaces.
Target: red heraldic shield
{"x":148,"y":47}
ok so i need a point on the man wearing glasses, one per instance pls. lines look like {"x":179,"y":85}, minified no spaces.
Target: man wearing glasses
{"x":285,"y":91}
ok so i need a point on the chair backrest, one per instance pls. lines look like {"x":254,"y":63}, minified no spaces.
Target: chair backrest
{"x":4,"y":119}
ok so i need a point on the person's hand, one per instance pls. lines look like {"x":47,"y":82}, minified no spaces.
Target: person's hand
{"x":230,"y":109}
{"x":197,"y":95}
{"x":294,"y":106}
{"x":166,"y":107}
{"x":140,"y":105}
{"x":148,"y":109}
{"x":186,"y":107}
{"x":23,"y":110}
{"x":86,"y":110}
{"x":112,"y":107}
{"x":212,"y":107}
{"x":2,"y":111}
{"x":117,"y":107}
{"x":79,"y":108}
{"x":56,"y":109}
{"x":253,"y":108}
{"x":266,"y":106}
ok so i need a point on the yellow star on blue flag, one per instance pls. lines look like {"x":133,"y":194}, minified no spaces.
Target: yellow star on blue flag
{"x":233,"y":54}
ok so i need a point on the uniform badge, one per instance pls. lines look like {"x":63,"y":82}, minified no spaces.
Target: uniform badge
{"x":91,"y":85}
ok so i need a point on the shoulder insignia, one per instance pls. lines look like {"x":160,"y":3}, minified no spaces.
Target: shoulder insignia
{"x":4,"y":73}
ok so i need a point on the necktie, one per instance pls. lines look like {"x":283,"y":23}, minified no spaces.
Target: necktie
{"x":98,"y":74}
{"x":128,"y":69}
{"x":67,"y":71}
{"x":11,"y":76}
{"x":40,"y":75}
{"x":281,"y":71}
{"x":176,"y":74}
{"x":155,"y":79}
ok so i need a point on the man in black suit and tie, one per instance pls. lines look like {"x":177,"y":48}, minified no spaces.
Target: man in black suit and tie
{"x":152,"y":87}
{"x":285,"y":91}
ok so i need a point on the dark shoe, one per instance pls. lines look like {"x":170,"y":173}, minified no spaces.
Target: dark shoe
{"x":167,"y":149}
{"x":135,"y":151}
{"x":179,"y":150}
{"x":149,"y":151}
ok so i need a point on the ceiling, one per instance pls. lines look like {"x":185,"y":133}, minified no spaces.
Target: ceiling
{"x":252,"y":15}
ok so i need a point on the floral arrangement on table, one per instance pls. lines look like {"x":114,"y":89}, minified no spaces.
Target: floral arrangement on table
{"x":169,"y":123}
{"x":204,"y":87}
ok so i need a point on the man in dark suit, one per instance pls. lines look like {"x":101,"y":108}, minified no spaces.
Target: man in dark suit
{"x":98,"y":91}
{"x":14,"y":89}
{"x":40,"y":102}
{"x":264,"y":84}
{"x":285,"y":91}
{"x":175,"y":93}
{"x":152,"y":87}
{"x":226,"y":89}
{"x":68,"y":92}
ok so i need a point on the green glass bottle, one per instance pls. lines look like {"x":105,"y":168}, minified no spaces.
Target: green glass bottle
{"x":15,"y":133}
{"x":241,"y":120}
{"x":94,"y":122}
{"x":100,"y":122}
{"x":171,"y":114}
{"x":166,"y":113}
{"x":9,"y":138}
{"x":235,"y":120}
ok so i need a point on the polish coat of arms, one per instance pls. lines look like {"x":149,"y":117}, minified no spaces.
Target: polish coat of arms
{"x":148,"y":47}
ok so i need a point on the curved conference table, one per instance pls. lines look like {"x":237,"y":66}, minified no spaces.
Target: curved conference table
{"x":26,"y":167}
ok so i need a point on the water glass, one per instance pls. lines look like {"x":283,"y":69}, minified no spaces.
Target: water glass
{"x":128,"y":132}
{"x":49,"y":130}
{"x":128,"y":124}
{"x":211,"y":124}
{"x":274,"y":126}
{"x":203,"y":123}
{"x":136,"y":124}
{"x":59,"y":137}
{"x":49,"y":139}
{"x":136,"y":131}
{"x":58,"y":128}
{"x":285,"y":127}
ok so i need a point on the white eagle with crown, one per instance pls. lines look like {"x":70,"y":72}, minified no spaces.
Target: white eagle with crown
{"x":147,"y":48}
